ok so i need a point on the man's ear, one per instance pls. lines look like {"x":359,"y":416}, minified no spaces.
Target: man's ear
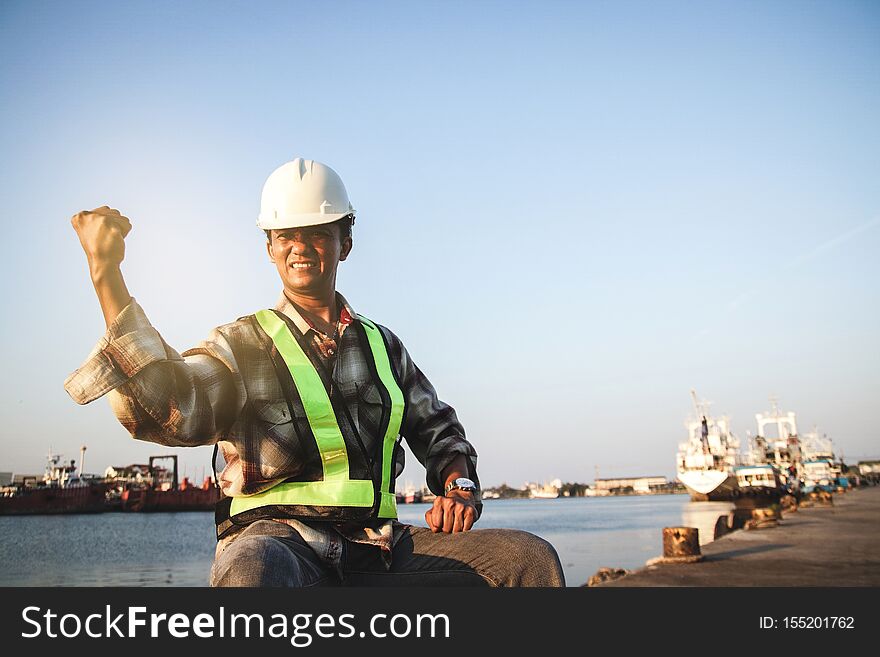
{"x":346,"y":248}
{"x":269,"y":250}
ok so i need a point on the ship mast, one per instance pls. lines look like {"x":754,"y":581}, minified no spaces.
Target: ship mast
{"x":701,"y":407}
{"x":696,"y":403}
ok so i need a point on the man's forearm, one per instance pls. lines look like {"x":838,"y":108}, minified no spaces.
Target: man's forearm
{"x":102,"y":234}
{"x":457,"y":468}
{"x":110,"y":287}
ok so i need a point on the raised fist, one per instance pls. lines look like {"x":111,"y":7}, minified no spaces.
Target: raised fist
{"x":102,"y":234}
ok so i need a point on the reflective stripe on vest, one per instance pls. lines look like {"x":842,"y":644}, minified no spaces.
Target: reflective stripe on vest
{"x":388,"y":504}
{"x":336,"y":488}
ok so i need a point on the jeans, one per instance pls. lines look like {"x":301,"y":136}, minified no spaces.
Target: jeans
{"x":268,"y":553}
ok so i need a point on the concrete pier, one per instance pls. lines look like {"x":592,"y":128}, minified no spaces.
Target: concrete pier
{"x":835,"y":545}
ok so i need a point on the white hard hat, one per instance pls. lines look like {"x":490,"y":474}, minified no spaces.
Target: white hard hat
{"x":303,"y":193}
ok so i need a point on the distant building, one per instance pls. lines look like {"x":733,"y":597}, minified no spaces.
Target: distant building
{"x":869,"y":467}
{"x":5,"y":478}
{"x":635,"y":485}
{"x":870,"y":470}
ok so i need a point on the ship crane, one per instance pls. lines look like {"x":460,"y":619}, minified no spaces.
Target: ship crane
{"x":699,"y":406}
{"x":173,"y":458}
{"x":701,"y":409}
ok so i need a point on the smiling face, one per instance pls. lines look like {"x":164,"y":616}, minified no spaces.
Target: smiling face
{"x":307,"y":258}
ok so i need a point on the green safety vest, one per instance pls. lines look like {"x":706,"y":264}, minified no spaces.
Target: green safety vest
{"x":336,"y":491}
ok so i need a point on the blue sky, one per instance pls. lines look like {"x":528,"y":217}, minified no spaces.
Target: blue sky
{"x":571,"y":213}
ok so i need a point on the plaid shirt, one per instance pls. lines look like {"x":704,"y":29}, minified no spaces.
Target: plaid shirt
{"x":225,"y":391}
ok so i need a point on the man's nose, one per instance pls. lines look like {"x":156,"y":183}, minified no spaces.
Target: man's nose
{"x":299,"y":242}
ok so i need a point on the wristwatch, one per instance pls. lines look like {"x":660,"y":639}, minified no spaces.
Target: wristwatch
{"x":462,"y":483}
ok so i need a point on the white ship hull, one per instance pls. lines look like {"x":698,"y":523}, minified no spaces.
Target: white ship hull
{"x":712,"y":485}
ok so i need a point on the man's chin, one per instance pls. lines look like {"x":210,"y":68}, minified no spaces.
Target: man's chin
{"x":301,"y":280}
{"x":300,"y":287}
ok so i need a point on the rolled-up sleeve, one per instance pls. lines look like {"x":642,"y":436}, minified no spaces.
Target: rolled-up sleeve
{"x":157,"y":394}
{"x":431,"y":427}
{"x":130,"y":344}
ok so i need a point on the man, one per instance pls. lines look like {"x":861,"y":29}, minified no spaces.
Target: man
{"x":306,"y":402}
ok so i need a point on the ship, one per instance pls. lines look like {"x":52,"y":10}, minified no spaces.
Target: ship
{"x":759,"y":484}
{"x":409,"y":495}
{"x":544,"y":494}
{"x":153,"y":488}
{"x":547,"y":491}
{"x":706,"y":462}
{"x":61,"y":490}
{"x":822,"y":469}
{"x":774,"y":464}
{"x":780,"y":446}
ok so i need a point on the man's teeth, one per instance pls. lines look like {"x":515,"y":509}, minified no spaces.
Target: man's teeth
{"x":302,"y":265}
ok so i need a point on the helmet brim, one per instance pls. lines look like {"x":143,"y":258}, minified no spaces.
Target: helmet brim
{"x":299,"y":220}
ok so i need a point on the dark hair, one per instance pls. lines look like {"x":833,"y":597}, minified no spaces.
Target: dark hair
{"x":344,"y":225}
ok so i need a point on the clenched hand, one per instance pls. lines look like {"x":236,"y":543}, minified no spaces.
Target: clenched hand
{"x":102,"y":234}
{"x":456,"y":513}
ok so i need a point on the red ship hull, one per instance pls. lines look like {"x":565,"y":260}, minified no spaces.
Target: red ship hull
{"x":188,"y":499}
{"x":51,"y":500}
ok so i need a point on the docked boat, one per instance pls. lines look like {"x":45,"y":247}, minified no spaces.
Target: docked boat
{"x":706,"y":462}
{"x":61,"y":490}
{"x":819,"y":475}
{"x":761,"y":484}
{"x":409,"y":495}
{"x":777,"y":441}
{"x":153,"y":488}
{"x":185,"y":497}
{"x":821,"y":468}
{"x":544,"y":493}
{"x":774,"y":457}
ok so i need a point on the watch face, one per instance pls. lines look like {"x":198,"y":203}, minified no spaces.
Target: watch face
{"x":464,"y":482}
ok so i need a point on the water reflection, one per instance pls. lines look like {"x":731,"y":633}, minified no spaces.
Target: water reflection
{"x":703,"y":516}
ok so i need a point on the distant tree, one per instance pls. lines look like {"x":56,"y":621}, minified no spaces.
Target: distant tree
{"x":506,"y":492}
{"x":573,"y":490}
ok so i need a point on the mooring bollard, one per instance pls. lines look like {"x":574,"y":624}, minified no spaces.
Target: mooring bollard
{"x":681,"y":542}
{"x":680,"y":545}
{"x":768,"y":516}
{"x":821,"y":497}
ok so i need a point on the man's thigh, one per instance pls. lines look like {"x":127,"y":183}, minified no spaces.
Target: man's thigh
{"x":480,"y":557}
{"x":268,"y":553}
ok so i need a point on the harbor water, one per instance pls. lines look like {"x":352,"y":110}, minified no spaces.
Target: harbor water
{"x":176,"y":549}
